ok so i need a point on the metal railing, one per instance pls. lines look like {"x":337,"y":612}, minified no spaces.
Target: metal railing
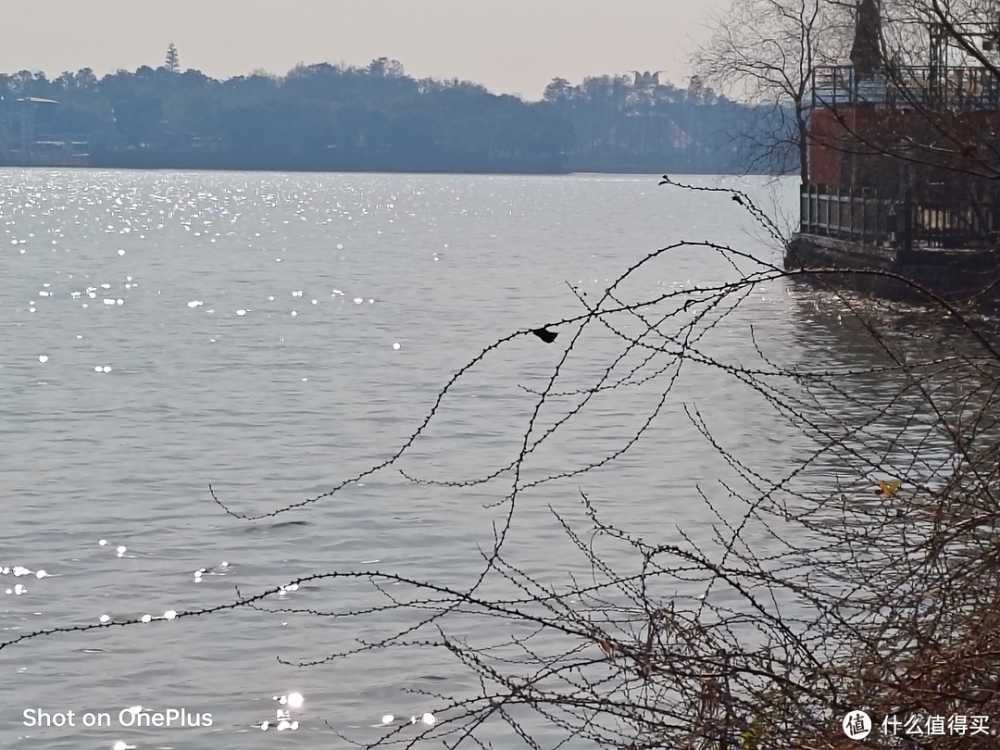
{"x":966,"y":89}
{"x":864,"y":218}
{"x":971,"y":225}
{"x":909,"y":222}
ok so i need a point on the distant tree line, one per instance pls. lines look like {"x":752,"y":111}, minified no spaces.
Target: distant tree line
{"x":626,"y":123}
{"x":335,"y":117}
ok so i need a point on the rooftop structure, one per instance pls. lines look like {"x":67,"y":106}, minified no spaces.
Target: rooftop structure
{"x":951,"y":79}
{"x":866,"y":52}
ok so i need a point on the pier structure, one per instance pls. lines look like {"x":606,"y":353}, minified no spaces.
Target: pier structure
{"x":903,"y":162}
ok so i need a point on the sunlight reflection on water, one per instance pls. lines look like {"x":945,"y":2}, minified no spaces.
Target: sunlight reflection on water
{"x":344,"y":303}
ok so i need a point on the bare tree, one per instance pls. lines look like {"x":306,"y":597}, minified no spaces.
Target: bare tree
{"x":766,"y":52}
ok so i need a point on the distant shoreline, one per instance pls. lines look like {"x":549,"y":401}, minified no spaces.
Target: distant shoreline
{"x":374,"y":171}
{"x":323,"y":117}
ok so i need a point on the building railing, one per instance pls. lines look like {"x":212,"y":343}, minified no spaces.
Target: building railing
{"x":963,"y":89}
{"x":906,"y":222}
{"x":974,"y":224}
{"x":864,"y":218}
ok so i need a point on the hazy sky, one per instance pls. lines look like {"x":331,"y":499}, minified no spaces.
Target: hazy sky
{"x":513,"y":46}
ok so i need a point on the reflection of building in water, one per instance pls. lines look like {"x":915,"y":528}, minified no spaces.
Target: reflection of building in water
{"x":880,"y":351}
{"x":29,"y":137}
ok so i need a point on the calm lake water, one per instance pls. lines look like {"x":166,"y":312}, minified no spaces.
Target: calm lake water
{"x":273,"y":334}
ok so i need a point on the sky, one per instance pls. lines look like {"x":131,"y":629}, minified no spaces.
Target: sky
{"x":510,"y":46}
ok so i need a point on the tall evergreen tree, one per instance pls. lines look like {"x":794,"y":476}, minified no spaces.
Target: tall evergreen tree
{"x":173,"y":59}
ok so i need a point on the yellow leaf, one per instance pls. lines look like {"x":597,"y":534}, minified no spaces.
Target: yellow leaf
{"x":889,"y":488}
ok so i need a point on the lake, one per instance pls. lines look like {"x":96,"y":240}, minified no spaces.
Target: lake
{"x":274,"y":334}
